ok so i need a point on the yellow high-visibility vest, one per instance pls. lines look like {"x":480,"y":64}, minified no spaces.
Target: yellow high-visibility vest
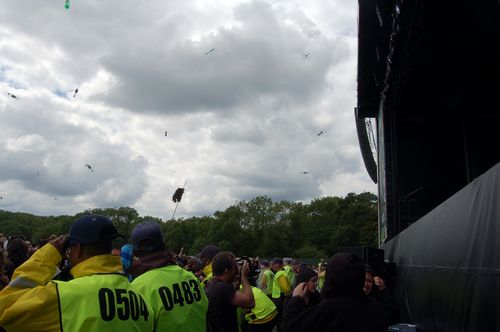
{"x":102,"y":302}
{"x":264,"y":310}
{"x":176,"y":297}
{"x":276,"y":292}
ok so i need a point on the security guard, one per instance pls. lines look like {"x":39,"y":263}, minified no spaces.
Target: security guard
{"x":265,"y":281}
{"x":281,"y":286}
{"x":174,"y":294}
{"x":99,"y":298}
{"x":206,"y":255}
{"x":290,"y":273}
{"x":262,"y":317}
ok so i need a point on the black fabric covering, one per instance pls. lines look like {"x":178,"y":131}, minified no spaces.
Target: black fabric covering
{"x":449,"y":261}
{"x":336,"y":314}
{"x":345,"y":276}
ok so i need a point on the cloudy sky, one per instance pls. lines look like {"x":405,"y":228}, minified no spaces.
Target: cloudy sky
{"x":242,"y":120}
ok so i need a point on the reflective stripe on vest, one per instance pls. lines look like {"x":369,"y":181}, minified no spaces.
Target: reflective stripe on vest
{"x":176,"y":294}
{"x":263,"y":306}
{"x":102,"y":302}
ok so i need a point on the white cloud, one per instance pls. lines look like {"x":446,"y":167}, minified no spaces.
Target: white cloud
{"x":242,"y":120}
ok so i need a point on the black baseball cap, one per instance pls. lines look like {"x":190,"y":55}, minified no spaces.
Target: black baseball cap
{"x":209,"y":251}
{"x":90,"y":229}
{"x":277,"y":260}
{"x":147,"y":236}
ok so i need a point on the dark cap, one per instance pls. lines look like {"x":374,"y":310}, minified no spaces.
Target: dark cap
{"x":305,"y":275}
{"x":92,"y":229}
{"x":209,"y":251}
{"x":147,"y":236}
{"x":277,"y":260}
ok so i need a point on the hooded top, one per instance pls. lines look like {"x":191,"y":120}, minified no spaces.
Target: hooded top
{"x":345,"y":307}
{"x":345,"y":275}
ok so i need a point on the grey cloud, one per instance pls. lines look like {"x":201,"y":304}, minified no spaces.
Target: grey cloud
{"x":242,"y":120}
{"x":45,"y":151}
{"x":125,"y":188}
{"x":243,"y":131}
{"x":61,"y":172}
{"x":263,"y":57}
{"x":277,"y":185}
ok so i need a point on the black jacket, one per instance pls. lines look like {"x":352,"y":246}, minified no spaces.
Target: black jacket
{"x":338,"y":314}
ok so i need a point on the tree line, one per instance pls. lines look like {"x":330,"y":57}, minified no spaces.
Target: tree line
{"x":259,"y":227}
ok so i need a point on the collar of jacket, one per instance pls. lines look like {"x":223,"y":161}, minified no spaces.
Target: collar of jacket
{"x":151,"y":262}
{"x":98,"y":264}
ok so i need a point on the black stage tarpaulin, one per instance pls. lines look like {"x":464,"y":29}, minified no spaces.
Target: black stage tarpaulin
{"x":449,"y":261}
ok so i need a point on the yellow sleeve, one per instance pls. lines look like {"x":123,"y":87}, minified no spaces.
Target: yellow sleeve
{"x":29,"y":302}
{"x":284,"y":284}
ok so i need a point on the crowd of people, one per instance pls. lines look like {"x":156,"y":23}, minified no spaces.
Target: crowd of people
{"x":79,"y":282}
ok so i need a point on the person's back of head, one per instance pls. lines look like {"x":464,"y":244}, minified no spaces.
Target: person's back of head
{"x":345,"y":275}
{"x":93,"y":234}
{"x":221,"y":262}
{"x":305,"y":275}
{"x":147,"y":238}
{"x":208,"y":253}
{"x":276,"y":264}
{"x":17,"y":251}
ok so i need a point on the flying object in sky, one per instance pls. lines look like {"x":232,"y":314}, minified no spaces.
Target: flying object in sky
{"x":89,"y":167}
{"x":306,"y":56}
{"x":320,"y":133}
{"x":165,"y":133}
{"x":304,"y":172}
{"x":176,"y":198}
{"x":76,"y":91}
{"x":213,"y":49}
{"x":13,"y":95}
{"x":66,"y":4}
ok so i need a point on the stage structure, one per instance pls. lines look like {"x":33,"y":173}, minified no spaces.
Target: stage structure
{"x":429,"y":79}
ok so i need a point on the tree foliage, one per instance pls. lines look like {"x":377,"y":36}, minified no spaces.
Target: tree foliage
{"x":259,"y":227}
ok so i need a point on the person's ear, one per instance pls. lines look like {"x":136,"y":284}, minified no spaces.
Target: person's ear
{"x":78,"y":248}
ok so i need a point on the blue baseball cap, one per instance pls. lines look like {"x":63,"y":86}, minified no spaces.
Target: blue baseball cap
{"x":92,"y":229}
{"x":147,"y":236}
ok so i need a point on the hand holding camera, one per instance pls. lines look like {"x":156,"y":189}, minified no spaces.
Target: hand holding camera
{"x":245,"y":269}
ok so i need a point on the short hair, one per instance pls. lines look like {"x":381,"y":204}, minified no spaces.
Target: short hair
{"x":222,"y":261}
{"x":95,"y":249}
